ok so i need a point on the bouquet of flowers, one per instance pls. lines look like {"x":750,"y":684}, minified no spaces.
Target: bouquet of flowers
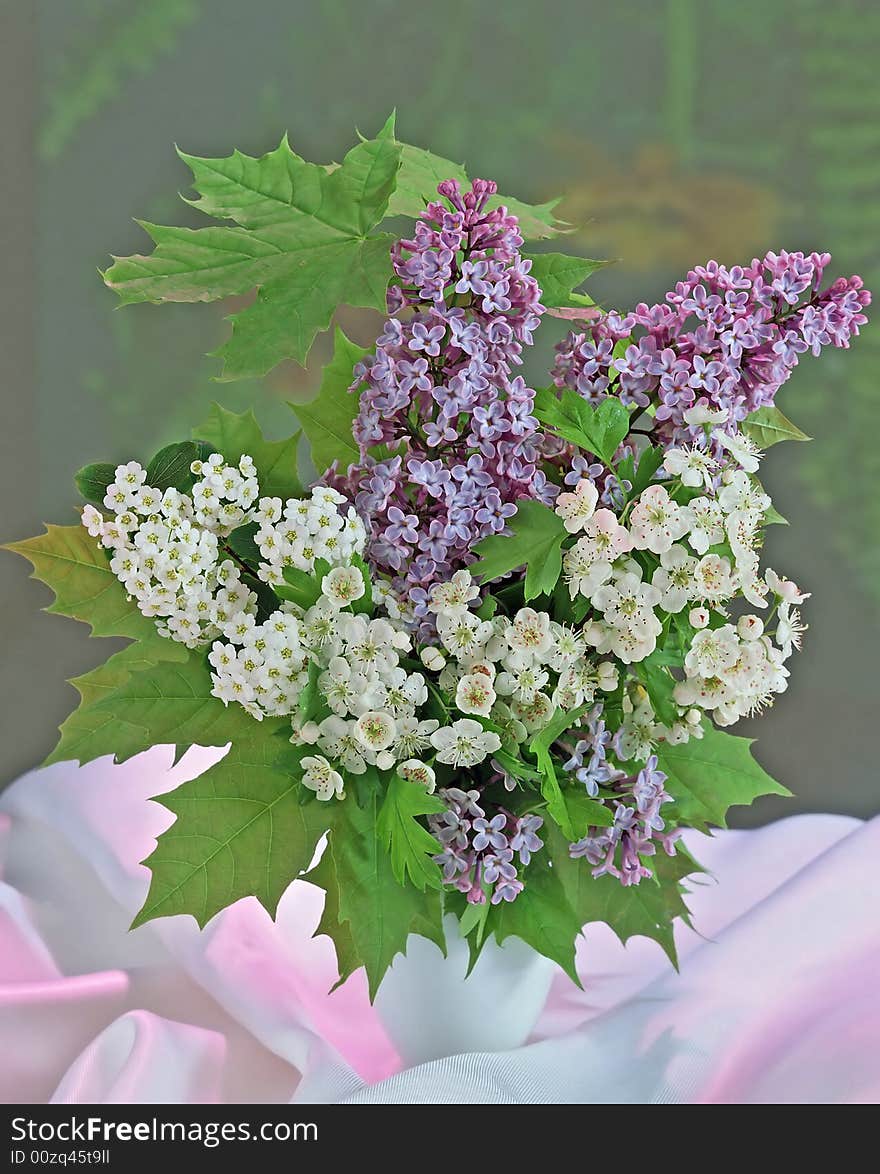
{"x":482,"y":661}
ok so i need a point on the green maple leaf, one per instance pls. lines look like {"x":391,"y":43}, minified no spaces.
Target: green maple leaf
{"x":380,"y":914}
{"x":410,"y":845}
{"x":327,"y":420}
{"x":91,"y":731}
{"x":648,"y":909}
{"x":596,"y":430}
{"x":76,"y":567}
{"x":233,"y":435}
{"x":305,"y":240}
{"x":535,"y":540}
{"x":559,"y":275}
{"x":348,"y":960}
{"x":706,"y":776}
{"x":240,"y":831}
{"x":168,"y":703}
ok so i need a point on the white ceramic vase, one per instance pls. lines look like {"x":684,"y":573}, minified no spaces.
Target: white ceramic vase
{"x":430,"y":1009}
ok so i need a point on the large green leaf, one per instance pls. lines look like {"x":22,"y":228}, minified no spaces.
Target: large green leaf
{"x":233,"y":435}
{"x":327,"y":420}
{"x":535,"y":540}
{"x":89,"y":731}
{"x":379,"y":912}
{"x":348,"y":960}
{"x":410,"y":844}
{"x":768,"y":426}
{"x":167,"y":703}
{"x":559,"y":276}
{"x":304,"y":240}
{"x":648,"y":909}
{"x":77,"y":569}
{"x":240,"y":831}
{"x":597,"y":430}
{"x":709,"y":775}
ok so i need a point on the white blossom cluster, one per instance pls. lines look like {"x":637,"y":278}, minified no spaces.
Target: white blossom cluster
{"x":167,"y":548}
{"x":512,"y":671}
{"x":296,"y":532}
{"x":515,"y":670}
{"x":377,"y":706}
{"x":659,"y":559}
{"x":169,"y":553}
{"x":489,"y":677}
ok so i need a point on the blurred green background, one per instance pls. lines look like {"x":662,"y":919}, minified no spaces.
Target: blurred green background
{"x":677,"y":130}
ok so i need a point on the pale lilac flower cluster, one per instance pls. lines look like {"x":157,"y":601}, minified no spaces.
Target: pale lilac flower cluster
{"x":440,"y":388}
{"x":637,"y":829}
{"x":724,"y":339}
{"x":481,"y":850}
{"x":588,"y":762}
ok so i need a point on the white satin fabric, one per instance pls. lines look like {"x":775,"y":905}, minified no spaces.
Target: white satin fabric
{"x":776,"y":1000}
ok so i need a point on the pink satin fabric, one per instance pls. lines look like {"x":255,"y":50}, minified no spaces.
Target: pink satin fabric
{"x":776,"y":999}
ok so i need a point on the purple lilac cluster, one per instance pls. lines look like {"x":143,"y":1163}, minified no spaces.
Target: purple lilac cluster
{"x":588,"y":762}
{"x":441,"y":391}
{"x":637,"y":829}
{"x":724,"y":338}
{"x":480,"y":850}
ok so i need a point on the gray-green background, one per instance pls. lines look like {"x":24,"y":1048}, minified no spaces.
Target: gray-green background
{"x":678,"y":130}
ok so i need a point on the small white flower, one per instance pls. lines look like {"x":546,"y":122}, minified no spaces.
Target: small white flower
{"x":578,"y":507}
{"x":475,"y":694}
{"x":790,"y":629}
{"x":785,"y":588}
{"x":705,"y":523}
{"x":588,"y":564}
{"x":418,"y":772}
{"x":656,"y":520}
{"x":339,"y":739}
{"x":534,"y":714}
{"x":675,"y":578}
{"x":712,"y":651}
{"x":463,"y":634}
{"x":320,"y":777}
{"x":93,"y":520}
{"x":739,"y":494}
{"x":701,"y":413}
{"x":743,"y":450}
{"x":343,"y":585}
{"x":698,"y":617}
{"x":464,"y":743}
{"x":693,"y":466}
{"x":413,"y":736}
{"x":713,"y":578}
{"x":628,"y":603}
{"x":454,"y":597}
{"x":638,"y":732}
{"x":133,"y":475}
{"x":750,"y":627}
{"x":566,"y":649}
{"x":433,"y":659}
{"x":530,"y":631}
{"x":376,"y":729}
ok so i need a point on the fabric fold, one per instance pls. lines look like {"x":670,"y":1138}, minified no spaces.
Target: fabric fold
{"x":774,"y":1001}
